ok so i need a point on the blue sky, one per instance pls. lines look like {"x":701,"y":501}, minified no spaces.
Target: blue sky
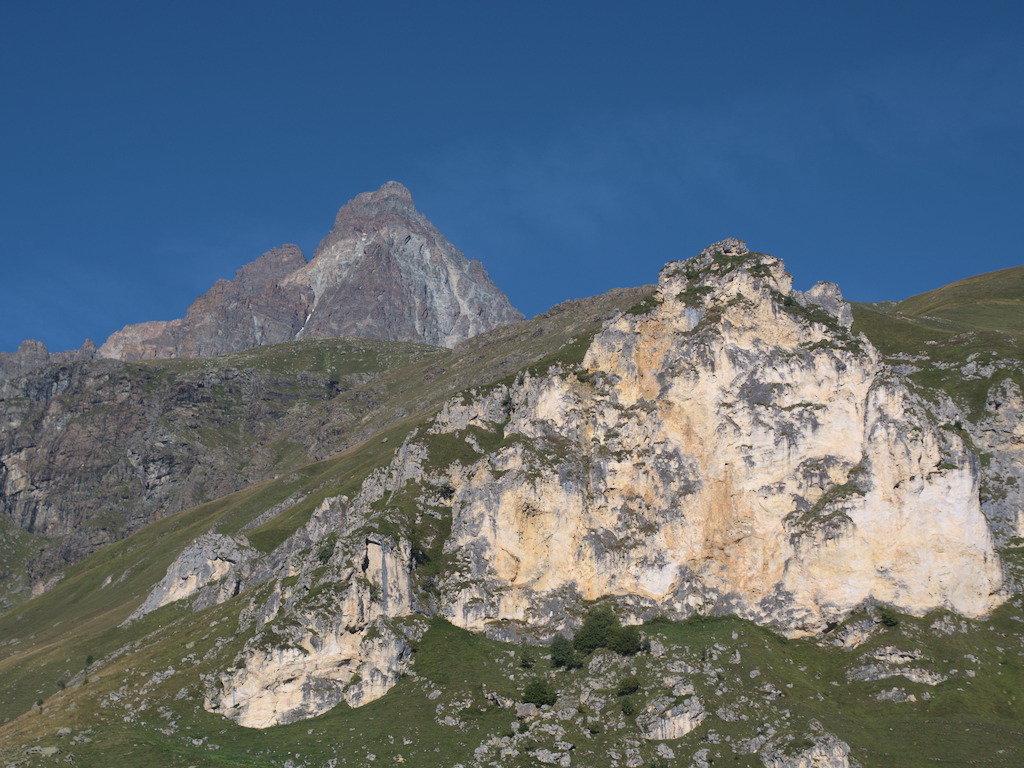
{"x":150,"y":149}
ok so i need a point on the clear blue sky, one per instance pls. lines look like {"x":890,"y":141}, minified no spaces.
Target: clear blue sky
{"x":149,"y":149}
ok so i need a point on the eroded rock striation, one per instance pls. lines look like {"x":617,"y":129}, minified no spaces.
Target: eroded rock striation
{"x":383,"y":272}
{"x":211,"y":560}
{"x":335,"y":625}
{"x":999,"y":436}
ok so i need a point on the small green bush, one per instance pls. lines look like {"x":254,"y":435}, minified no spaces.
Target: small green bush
{"x":628,"y":705}
{"x":602,"y":629}
{"x":326,"y":548}
{"x":598,"y":627}
{"x":630,"y":684}
{"x":888,"y":616}
{"x":626,"y":641}
{"x":563,"y":654}
{"x":527,"y":659}
{"x":644,"y":306}
{"x":537,"y":692}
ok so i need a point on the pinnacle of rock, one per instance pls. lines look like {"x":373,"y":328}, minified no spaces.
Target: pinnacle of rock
{"x":731,"y":246}
{"x":392,"y":199}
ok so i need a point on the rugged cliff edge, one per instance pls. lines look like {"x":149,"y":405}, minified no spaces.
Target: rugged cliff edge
{"x":728,"y":446}
{"x":383,"y":272}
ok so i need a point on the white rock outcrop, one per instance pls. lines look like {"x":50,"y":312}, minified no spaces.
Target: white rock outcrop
{"x":824,"y":751}
{"x":734,"y":449}
{"x":212,"y":559}
{"x":663,"y":721}
{"x":333,"y":645}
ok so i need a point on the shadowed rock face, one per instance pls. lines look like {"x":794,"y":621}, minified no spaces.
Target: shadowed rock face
{"x":383,"y":272}
{"x":249,"y":311}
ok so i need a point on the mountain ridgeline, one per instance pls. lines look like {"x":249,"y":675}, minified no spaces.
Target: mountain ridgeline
{"x":383,"y":272}
{"x":808,"y":515}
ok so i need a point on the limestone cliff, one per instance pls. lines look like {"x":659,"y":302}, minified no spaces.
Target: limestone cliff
{"x":384,"y":272}
{"x":335,"y":622}
{"x":734,"y":448}
{"x":727,"y":446}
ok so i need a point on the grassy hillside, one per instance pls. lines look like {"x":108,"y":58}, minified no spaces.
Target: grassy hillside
{"x":962,"y":338}
{"x":993,"y":301}
{"x":457,"y":702}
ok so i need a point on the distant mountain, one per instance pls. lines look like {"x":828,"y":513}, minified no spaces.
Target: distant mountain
{"x":383,"y":272}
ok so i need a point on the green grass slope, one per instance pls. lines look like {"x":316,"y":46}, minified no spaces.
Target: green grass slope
{"x":457,"y":701}
{"x":962,"y":338}
{"x":993,"y":301}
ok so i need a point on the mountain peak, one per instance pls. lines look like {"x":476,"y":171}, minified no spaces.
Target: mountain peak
{"x":393,"y":189}
{"x":731,"y":246}
{"x":392,"y":199}
{"x":384,"y":271}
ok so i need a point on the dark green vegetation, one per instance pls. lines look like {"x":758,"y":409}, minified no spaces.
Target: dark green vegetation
{"x":601,"y":628}
{"x":978,"y":322}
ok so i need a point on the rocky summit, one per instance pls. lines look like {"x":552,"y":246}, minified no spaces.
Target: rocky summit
{"x":716,"y":520}
{"x":383,"y":272}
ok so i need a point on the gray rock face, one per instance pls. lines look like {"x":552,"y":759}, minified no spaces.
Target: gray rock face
{"x":383,"y":272}
{"x":999,"y":435}
{"x":33,"y":355}
{"x":93,"y":449}
{"x":210,"y":559}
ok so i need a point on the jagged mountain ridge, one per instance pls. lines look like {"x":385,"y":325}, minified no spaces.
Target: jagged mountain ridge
{"x":383,"y":272}
{"x":335,"y":611}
